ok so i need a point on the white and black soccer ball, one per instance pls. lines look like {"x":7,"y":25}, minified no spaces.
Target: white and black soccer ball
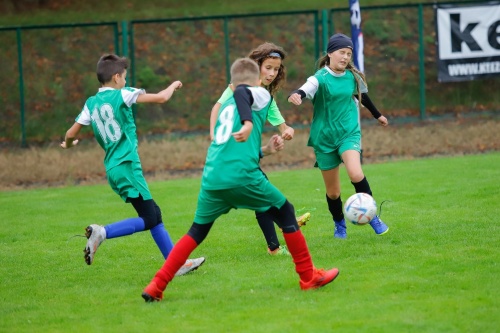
{"x":360,"y":208}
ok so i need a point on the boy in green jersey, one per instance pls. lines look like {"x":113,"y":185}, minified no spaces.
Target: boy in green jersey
{"x":232,"y":179}
{"x":270,"y":59}
{"x":335,"y":130}
{"x":109,"y":112}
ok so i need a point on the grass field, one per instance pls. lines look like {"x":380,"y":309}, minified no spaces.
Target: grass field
{"x":435,"y":271}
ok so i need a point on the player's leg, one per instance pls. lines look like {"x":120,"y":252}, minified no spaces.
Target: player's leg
{"x":266,"y":224}
{"x":361,"y":185}
{"x":128,"y":181}
{"x":310,"y":277}
{"x":329,"y":165}
{"x":263,"y":196}
{"x":177,"y":258}
{"x":149,"y":211}
{"x":96,"y":234}
{"x":208,"y":209}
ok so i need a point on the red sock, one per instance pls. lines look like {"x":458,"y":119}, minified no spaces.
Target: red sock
{"x":297,"y":246}
{"x":177,"y":257}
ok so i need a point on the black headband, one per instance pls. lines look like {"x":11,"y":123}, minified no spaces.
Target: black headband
{"x":337,"y":42}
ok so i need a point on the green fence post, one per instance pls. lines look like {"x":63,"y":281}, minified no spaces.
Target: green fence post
{"x":316,"y":34}
{"x":125,"y":39}
{"x":421,"y":60}
{"x":324,"y":27}
{"x":132,"y":54}
{"x":226,"y":48}
{"x":21,"y":86}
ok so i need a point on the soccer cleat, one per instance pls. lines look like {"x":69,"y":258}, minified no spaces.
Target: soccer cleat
{"x":280,"y":251}
{"x":320,"y":278}
{"x":96,"y":234}
{"x":190,"y":265}
{"x":379,"y":226}
{"x":151,"y":293}
{"x":303,"y":219}
{"x":340,"y":229}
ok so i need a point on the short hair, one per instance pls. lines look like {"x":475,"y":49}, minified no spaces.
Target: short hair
{"x":244,"y":70}
{"x":109,"y":65}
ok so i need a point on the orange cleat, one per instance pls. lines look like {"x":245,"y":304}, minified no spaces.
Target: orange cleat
{"x":151,"y":293}
{"x":320,"y":278}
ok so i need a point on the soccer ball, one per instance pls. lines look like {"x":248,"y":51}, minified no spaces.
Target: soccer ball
{"x":360,"y":208}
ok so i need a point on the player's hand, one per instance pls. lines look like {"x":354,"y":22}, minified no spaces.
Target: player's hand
{"x":176,"y":85}
{"x":383,"y":121}
{"x":66,"y":146}
{"x":277,"y":143}
{"x":295,"y":99}
{"x":243,"y":134}
{"x":288,"y":133}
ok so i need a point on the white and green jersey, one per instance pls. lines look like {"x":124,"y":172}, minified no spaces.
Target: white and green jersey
{"x":274,"y":115}
{"x":335,"y":116}
{"x":110,"y":114}
{"x":231,"y":164}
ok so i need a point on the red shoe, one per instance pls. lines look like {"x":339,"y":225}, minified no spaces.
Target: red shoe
{"x":320,"y":278}
{"x":152,"y":293}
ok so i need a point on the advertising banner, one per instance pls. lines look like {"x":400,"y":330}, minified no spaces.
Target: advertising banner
{"x":357,"y":35}
{"x":468,"y":41}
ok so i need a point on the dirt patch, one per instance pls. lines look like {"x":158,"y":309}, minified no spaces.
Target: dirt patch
{"x":177,"y":158}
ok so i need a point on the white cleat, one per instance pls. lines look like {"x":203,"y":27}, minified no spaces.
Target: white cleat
{"x":190,"y":265}
{"x":96,"y":234}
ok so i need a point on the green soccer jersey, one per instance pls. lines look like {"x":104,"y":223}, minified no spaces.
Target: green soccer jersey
{"x":274,"y":115}
{"x":110,"y":114}
{"x":231,"y":164}
{"x":335,"y":115}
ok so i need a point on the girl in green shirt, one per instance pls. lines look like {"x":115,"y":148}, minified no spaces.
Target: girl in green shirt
{"x":335,"y":130}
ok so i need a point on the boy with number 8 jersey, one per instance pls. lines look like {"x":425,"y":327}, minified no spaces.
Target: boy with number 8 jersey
{"x":109,"y":112}
{"x":232,"y":179}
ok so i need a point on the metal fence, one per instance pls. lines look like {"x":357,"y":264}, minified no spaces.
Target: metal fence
{"x":49,"y":71}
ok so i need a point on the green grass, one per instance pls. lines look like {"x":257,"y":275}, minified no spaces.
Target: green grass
{"x":435,"y":271}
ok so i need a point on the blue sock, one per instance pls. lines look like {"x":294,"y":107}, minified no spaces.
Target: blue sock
{"x":162,"y":239}
{"x":124,"y":228}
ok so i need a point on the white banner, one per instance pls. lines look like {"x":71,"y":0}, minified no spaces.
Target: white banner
{"x":468,"y":39}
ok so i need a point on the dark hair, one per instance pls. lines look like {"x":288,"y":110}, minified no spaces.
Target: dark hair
{"x":109,"y":65}
{"x":263,"y":52}
{"x":325,"y":61}
{"x":244,"y":70}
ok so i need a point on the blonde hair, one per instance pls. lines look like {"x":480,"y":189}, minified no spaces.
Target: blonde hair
{"x":244,"y":70}
{"x":325,"y":61}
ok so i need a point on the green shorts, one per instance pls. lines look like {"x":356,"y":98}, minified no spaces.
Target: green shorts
{"x":258,"y":196}
{"x":128,"y":181}
{"x":331,"y":160}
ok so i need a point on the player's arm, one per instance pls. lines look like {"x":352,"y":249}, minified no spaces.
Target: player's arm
{"x":308,"y":90}
{"x":367,"y":102}
{"x":286,"y":131}
{"x":162,"y":96}
{"x":275,"y":144}
{"x":276,"y":119}
{"x":244,"y":101}
{"x":213,"y":118}
{"x":70,"y":137}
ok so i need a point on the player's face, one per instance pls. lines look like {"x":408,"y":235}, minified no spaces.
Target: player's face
{"x":269,"y":70}
{"x":121,"y":79}
{"x":340,"y":59}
